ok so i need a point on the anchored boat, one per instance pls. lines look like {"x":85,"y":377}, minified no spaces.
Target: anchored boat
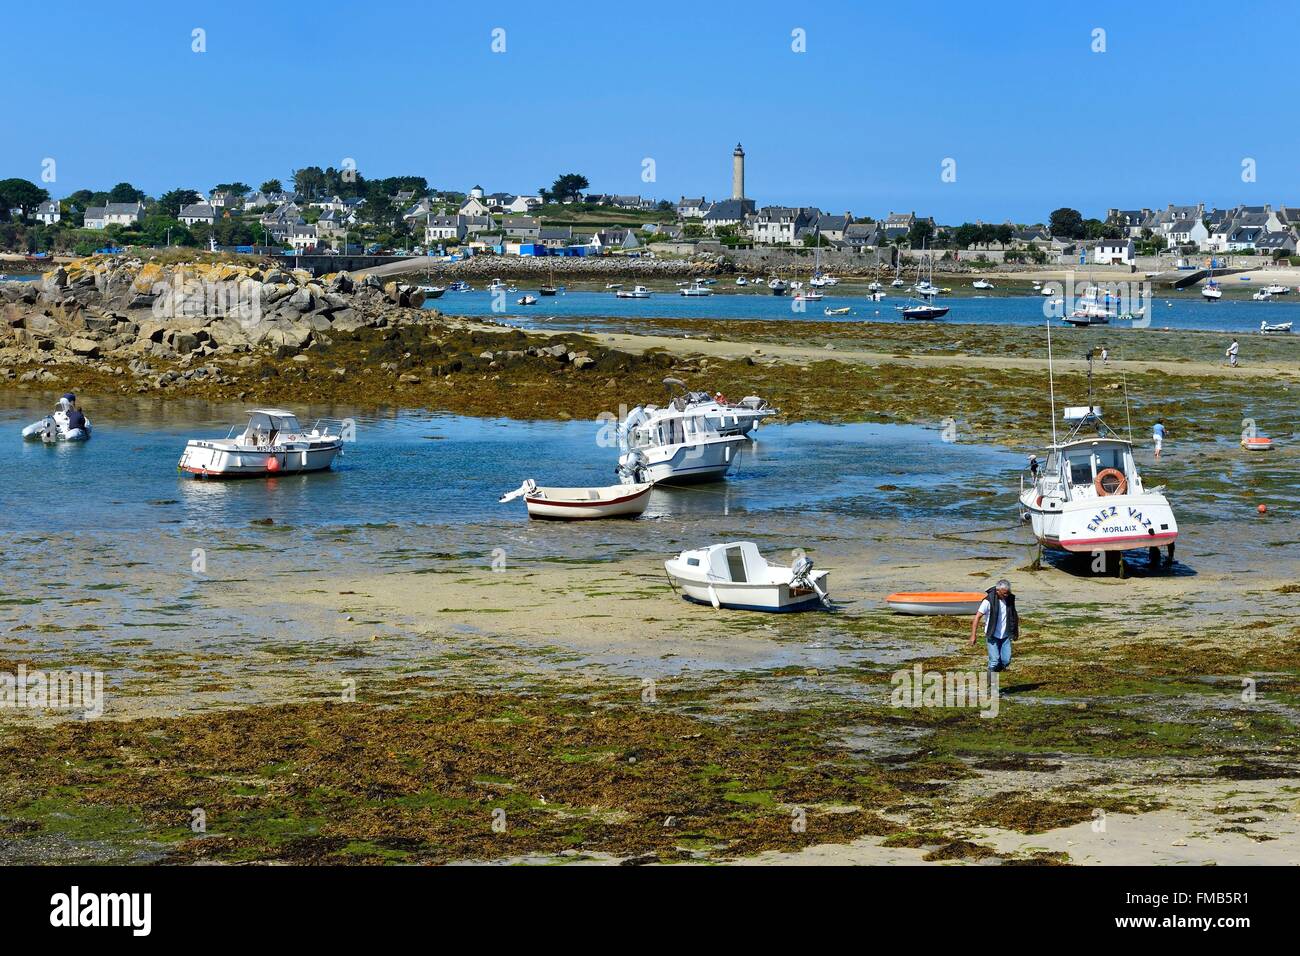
{"x":676,"y":447}
{"x":636,"y":292}
{"x":736,"y":576}
{"x":272,"y":443}
{"x":581,"y":504}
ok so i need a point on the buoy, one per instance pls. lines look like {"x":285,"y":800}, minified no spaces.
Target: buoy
{"x":273,"y":464}
{"x":1263,"y":509}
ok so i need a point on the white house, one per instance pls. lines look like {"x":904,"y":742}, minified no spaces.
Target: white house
{"x":473,"y":206}
{"x":523,"y":204}
{"x":48,"y":212}
{"x":1189,"y":232}
{"x":778,"y":225}
{"x":1110,"y":252}
{"x":198,"y":213}
{"x":302,"y":236}
{"x":114,"y":214}
{"x":692,"y":208}
{"x":442,"y":228}
{"x":728,"y":212}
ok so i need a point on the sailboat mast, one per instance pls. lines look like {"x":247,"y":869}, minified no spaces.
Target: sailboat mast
{"x":1051,"y":381}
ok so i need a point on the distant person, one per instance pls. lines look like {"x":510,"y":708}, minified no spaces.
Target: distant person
{"x":1232,"y":353}
{"x":1002,"y":624}
{"x":1158,"y":436}
{"x":75,"y":418}
{"x":1105,"y":355}
{"x":1033,"y":466}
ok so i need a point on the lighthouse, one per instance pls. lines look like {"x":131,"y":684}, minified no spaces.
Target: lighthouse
{"x":738,"y":173}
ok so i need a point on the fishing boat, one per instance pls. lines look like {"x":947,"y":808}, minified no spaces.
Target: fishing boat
{"x":876,"y":296}
{"x":736,"y":576}
{"x":675,"y":447}
{"x":1266,"y":329}
{"x":1088,"y":496}
{"x":527,"y":300}
{"x":696,"y":288}
{"x":935,"y":602}
{"x":777,"y":286}
{"x":636,"y":292}
{"x":55,"y":426}
{"x":271,"y":443}
{"x":842,"y":311}
{"x":981,"y":284}
{"x":723,"y":416}
{"x":582,"y":504}
{"x":1256,"y":443}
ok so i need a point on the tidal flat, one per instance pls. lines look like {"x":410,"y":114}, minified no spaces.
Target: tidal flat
{"x":355,"y":683}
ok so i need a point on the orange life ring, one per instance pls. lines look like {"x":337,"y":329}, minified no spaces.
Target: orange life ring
{"x":1105,"y":473}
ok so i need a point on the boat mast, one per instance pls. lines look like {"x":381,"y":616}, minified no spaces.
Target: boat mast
{"x":1051,"y":382}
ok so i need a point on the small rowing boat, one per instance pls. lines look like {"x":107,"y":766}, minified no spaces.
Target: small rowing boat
{"x":935,"y":602}
{"x":579,"y":504}
{"x":1257,"y":443}
{"x":843,"y":311}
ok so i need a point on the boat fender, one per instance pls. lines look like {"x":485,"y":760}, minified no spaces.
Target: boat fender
{"x":1100,"y":483}
{"x":1039,"y":502}
{"x":713,"y":598}
{"x":273,"y":464}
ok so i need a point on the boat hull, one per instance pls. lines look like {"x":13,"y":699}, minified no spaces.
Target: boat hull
{"x":935,"y":602}
{"x":204,"y":459}
{"x":759,"y":596}
{"x":689,"y":464}
{"x":631,"y":505}
{"x":1110,"y":523}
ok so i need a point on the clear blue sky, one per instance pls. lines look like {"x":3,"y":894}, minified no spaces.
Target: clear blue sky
{"x":861,"y":121}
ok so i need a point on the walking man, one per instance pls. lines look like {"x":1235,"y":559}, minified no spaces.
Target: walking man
{"x":1001,"y":625}
{"x":1105,"y":356}
{"x":1158,"y":436}
{"x":1232,"y":354}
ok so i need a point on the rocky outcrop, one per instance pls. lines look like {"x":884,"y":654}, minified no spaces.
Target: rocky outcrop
{"x":111,"y":308}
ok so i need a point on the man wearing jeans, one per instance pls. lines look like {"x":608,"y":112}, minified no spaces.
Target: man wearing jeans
{"x":1002,"y":624}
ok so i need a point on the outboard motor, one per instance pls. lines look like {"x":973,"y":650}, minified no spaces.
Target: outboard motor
{"x":527,"y":488}
{"x":801,"y":576}
{"x":631,"y":467}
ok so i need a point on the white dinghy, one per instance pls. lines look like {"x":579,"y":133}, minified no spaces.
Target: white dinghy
{"x":581,"y":504}
{"x":736,"y":576}
{"x":272,"y":443}
{"x":56,"y":426}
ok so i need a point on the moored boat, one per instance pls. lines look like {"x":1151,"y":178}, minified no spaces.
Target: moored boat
{"x":1266,"y":329}
{"x":636,"y":292}
{"x":582,"y":504}
{"x":271,"y":443}
{"x":736,"y":576}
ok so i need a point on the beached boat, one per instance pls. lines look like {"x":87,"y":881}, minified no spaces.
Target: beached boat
{"x":981,"y":284}
{"x":736,"y":576}
{"x":55,"y":426}
{"x":675,"y":447}
{"x":636,"y":292}
{"x":741,"y":280}
{"x":778,"y":286}
{"x":695,"y":288}
{"x":1263,"y":295}
{"x":1266,"y":329}
{"x":935,"y":602}
{"x":1256,"y":443}
{"x":272,"y":443}
{"x":582,"y":504}
{"x":1277,"y":289}
{"x":611,"y":286}
{"x":1211,"y":288}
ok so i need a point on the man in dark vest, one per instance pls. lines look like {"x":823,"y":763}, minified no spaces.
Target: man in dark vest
{"x":1001,"y":625}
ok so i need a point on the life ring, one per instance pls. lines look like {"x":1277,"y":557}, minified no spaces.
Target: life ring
{"x":1100,"y":483}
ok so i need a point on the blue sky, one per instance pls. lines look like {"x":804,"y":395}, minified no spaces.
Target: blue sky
{"x":861,"y":121}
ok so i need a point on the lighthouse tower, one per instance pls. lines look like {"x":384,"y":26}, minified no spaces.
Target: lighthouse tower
{"x":738,"y":173}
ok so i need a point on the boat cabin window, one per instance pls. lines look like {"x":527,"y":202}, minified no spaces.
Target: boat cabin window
{"x":736,"y":565}
{"x":1109,"y":458}
{"x":1080,"y":465}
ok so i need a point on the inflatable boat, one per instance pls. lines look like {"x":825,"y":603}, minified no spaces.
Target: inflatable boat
{"x":54,"y":427}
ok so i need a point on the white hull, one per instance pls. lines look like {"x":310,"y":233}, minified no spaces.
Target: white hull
{"x":745,"y":582}
{"x":54,"y":428}
{"x":683,"y":464}
{"x":222,"y":459}
{"x":1109,"y":523}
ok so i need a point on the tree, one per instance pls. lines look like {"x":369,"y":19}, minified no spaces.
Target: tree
{"x":309,"y":181}
{"x":920,"y":232}
{"x":272,"y":186}
{"x":1067,"y":223}
{"x":125,"y":192}
{"x":239,"y":189}
{"x":568,"y":186}
{"x":171,"y":202}
{"x":22,"y":195}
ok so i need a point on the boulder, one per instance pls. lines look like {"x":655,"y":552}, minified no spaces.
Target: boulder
{"x":83,"y":347}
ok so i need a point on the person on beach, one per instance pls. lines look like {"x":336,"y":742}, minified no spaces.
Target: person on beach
{"x":1158,"y":436}
{"x":1232,"y":354}
{"x":1105,"y":356}
{"x":1001,"y":627}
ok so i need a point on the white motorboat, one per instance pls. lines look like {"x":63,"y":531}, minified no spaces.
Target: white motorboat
{"x":981,"y":284}
{"x":1263,"y":295}
{"x":272,"y":443}
{"x":528,"y":300}
{"x":675,"y":447}
{"x":741,"y":280}
{"x":809,"y":295}
{"x":1265,"y":328}
{"x":778,"y":286}
{"x":1277,"y":289}
{"x":582,"y":504}
{"x":55,"y":427}
{"x":696,"y":288}
{"x":496,"y":285}
{"x":636,"y":292}
{"x":845,"y":310}
{"x":736,"y":576}
{"x":877,"y":295}
{"x":723,"y":416}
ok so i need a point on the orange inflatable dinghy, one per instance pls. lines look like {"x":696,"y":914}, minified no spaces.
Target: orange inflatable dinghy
{"x":935,"y":602}
{"x":1257,"y":443}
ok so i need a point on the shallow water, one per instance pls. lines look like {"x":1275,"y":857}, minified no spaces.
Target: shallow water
{"x":579,"y":309}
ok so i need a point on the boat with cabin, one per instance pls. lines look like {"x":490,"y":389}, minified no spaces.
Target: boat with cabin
{"x":271,"y":443}
{"x":736,"y":576}
{"x":636,"y":292}
{"x":675,"y":447}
